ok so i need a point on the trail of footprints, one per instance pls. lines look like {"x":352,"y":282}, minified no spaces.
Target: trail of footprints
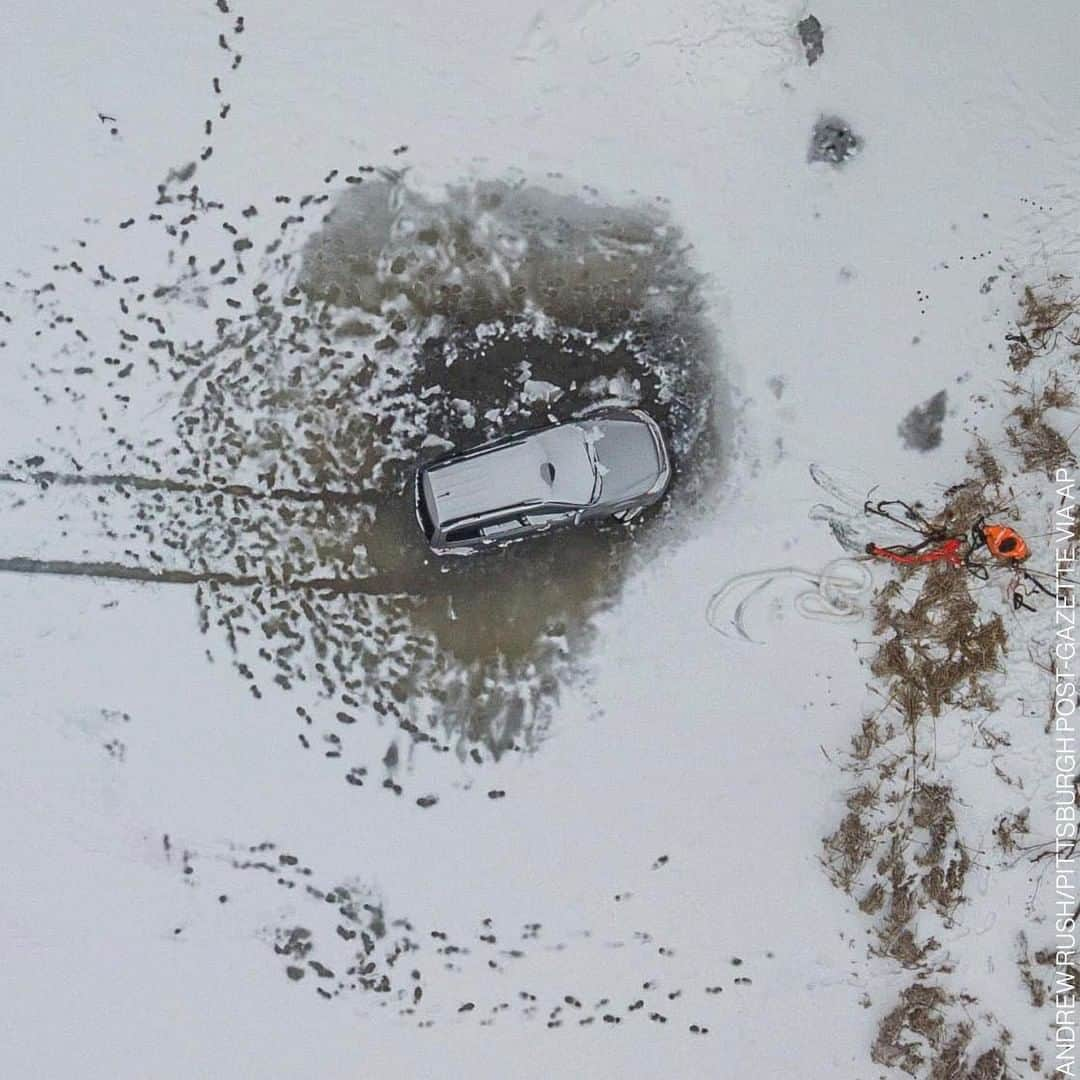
{"x":205,"y":522}
{"x":348,"y":944}
{"x":356,"y":948}
{"x":144,"y":340}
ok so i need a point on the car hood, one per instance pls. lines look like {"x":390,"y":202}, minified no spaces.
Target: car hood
{"x":630,"y":463}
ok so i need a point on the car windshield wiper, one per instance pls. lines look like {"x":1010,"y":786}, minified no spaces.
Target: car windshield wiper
{"x":598,"y":482}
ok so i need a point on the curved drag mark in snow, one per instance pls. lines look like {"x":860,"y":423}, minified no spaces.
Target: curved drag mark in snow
{"x":852,"y":527}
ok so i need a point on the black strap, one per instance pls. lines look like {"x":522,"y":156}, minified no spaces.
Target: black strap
{"x":1039,"y":585}
{"x":923,"y":527}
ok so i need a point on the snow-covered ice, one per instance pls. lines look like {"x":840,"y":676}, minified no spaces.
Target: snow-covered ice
{"x":546,"y":785}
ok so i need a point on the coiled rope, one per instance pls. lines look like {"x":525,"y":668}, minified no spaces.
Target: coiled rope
{"x":839,"y":593}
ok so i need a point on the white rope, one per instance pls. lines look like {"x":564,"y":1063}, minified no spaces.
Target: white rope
{"x":837,"y":594}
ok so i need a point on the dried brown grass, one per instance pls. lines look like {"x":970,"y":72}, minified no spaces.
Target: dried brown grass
{"x":1010,"y":826}
{"x":1045,"y":313}
{"x":939,"y":650}
{"x":1041,"y":447}
{"x":918,"y":1037}
{"x":898,"y":851}
{"x":850,"y":847}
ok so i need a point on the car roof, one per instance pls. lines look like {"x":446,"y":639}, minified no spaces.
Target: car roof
{"x":514,"y":473}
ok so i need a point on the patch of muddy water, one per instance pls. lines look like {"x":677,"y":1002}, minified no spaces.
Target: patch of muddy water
{"x":405,"y":326}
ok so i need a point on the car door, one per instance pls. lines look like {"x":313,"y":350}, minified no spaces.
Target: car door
{"x":503,"y":528}
{"x":547,"y":518}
